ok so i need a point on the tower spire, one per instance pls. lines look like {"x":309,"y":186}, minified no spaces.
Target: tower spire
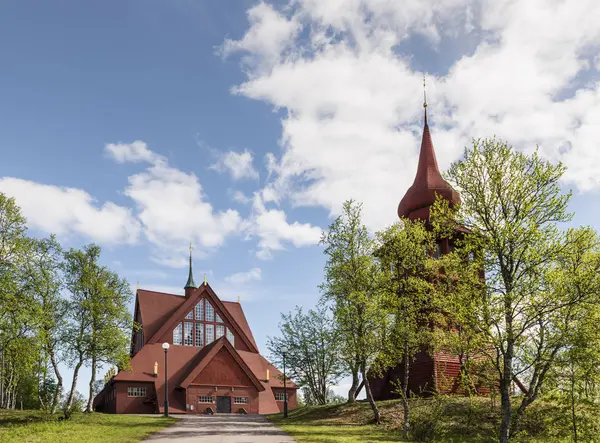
{"x":190,"y":282}
{"x":424,"y":94}
{"x":428,"y":181}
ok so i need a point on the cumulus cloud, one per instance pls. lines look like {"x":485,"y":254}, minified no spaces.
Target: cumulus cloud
{"x":70,"y":211}
{"x":271,"y":227}
{"x":352,"y":96}
{"x":237,"y":164}
{"x":241,"y":278}
{"x":132,"y":152}
{"x":173,"y":208}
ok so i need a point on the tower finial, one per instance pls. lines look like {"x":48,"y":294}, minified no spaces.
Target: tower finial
{"x":190,"y":283}
{"x":205,"y":282}
{"x":424,"y":92}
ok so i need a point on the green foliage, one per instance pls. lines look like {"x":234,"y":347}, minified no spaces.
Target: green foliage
{"x":313,"y":345}
{"x":512,"y":205}
{"x":352,"y":279}
{"x":40,"y":325}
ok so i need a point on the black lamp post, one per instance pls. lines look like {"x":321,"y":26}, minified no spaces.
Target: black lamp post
{"x":166,"y":346}
{"x":285,"y":403}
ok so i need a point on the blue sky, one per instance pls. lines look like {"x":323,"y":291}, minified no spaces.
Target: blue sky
{"x":242,"y":126}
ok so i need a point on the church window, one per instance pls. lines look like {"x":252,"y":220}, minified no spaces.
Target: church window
{"x":240,"y":400}
{"x":136,"y":392}
{"x":190,"y":316}
{"x":199,"y":334}
{"x":187,"y":333}
{"x":230,"y":337}
{"x":177,"y":335}
{"x":218,"y":318}
{"x":205,"y":399}
{"x":279,"y":396}
{"x":200,"y":310}
{"x":210,"y":334}
{"x":210,"y":312}
{"x":220,"y":331}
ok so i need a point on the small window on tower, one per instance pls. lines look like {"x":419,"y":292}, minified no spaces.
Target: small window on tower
{"x":438,"y":250}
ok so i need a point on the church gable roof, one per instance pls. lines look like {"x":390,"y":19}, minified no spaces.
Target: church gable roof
{"x":184,"y":305}
{"x":221,"y":344}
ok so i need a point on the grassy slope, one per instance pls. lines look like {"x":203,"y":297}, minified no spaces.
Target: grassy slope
{"x":36,"y":427}
{"x":442,"y":420}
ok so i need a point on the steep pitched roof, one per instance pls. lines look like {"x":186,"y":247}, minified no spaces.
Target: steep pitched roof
{"x":428,"y":182}
{"x":259,"y":366}
{"x":155,"y":308}
{"x":207,"y":357}
{"x":236,"y":311}
{"x":163,"y":311}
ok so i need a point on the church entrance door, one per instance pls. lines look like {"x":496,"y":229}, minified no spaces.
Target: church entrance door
{"x":224,"y":405}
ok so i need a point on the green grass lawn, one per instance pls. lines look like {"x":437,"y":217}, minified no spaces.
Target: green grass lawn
{"x":450,"y":420}
{"x":37,"y":427}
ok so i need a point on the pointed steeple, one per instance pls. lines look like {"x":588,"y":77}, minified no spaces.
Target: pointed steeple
{"x":190,"y":282}
{"x":428,"y":181}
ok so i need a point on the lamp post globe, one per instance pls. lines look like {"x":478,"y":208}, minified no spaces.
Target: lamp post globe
{"x":166,"y":347}
{"x":284,"y":351}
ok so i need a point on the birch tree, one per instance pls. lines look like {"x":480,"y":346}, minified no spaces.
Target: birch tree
{"x":513,"y":204}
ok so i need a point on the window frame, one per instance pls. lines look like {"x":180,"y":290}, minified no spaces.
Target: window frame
{"x":241,"y":400}
{"x":136,"y":391}
{"x":202,"y":399}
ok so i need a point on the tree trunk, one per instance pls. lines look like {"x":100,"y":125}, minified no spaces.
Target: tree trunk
{"x":69,"y":403}
{"x":89,"y":407}
{"x":405,"y":392}
{"x":376,"y":413}
{"x":59,"y":382}
{"x":354,"y":386}
{"x":573,"y":415}
{"x":505,"y":400}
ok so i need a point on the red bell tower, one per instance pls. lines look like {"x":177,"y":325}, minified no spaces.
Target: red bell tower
{"x":430,"y":371}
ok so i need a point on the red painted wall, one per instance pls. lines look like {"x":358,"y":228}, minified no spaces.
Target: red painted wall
{"x":292,"y":399}
{"x":195,"y":391}
{"x":134,"y":405}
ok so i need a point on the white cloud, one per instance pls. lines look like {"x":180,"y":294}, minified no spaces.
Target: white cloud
{"x":238,"y":164}
{"x":240,"y":197}
{"x":267,"y":39}
{"x":70,"y":211}
{"x":353,"y":116}
{"x":241,"y":278}
{"x":173,"y":210}
{"x":132,"y":152}
{"x":272,"y":229}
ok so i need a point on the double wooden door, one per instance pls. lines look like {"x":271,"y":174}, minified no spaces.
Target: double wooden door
{"x":224,"y":404}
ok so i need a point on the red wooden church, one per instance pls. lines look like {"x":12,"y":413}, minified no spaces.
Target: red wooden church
{"x":430,"y":371}
{"x":213,"y":362}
